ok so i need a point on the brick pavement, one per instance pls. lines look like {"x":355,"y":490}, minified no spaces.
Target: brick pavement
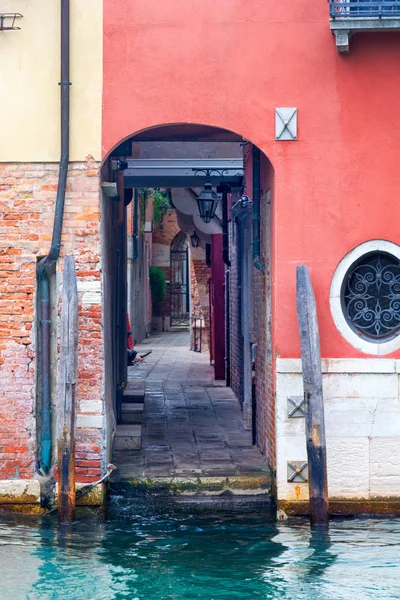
{"x":192,"y":428}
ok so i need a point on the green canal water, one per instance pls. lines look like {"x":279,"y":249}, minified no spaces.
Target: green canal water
{"x":156,"y":553}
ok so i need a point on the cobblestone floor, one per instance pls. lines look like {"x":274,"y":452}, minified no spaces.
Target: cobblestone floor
{"x":192,"y":426}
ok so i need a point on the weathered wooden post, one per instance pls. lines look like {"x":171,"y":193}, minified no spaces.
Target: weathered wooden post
{"x":66,"y":400}
{"x":312,"y":380}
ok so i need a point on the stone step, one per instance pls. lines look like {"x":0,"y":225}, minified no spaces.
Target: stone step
{"x":128,"y":437}
{"x":134,"y":392}
{"x":219,"y":492}
{"x":132,"y":413}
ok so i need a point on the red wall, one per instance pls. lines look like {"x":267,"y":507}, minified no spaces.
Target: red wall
{"x":229,"y":64}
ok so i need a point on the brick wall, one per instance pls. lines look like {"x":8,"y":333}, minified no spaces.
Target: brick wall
{"x":169,"y":229}
{"x":27,"y":199}
{"x":261,"y":334}
{"x":199,"y":295}
{"x":164,"y":236}
{"x":236,"y":338}
{"x":199,"y":275}
{"x":262,"y":307}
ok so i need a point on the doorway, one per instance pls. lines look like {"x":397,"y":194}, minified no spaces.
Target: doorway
{"x":179,"y":281}
{"x":177,"y":162}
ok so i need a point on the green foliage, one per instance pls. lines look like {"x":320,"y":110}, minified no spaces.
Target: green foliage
{"x":158,"y":284}
{"x":161,"y":205}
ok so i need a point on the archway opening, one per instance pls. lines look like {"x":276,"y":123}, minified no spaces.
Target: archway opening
{"x":179,"y":282}
{"x":216,"y":282}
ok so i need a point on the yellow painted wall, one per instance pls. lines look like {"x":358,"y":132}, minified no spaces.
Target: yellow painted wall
{"x":29,"y":76}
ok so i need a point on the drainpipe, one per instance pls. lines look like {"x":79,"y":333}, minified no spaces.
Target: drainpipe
{"x":228,"y":328}
{"x":225,"y":257}
{"x":225,"y":234}
{"x":48,"y":264}
{"x":257,"y":210}
{"x":135,"y":224}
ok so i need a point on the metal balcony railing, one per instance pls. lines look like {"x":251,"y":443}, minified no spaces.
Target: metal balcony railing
{"x":356,"y":9}
{"x":349,"y":17}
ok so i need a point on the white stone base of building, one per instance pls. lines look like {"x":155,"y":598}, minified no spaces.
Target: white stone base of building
{"x":362,"y":420}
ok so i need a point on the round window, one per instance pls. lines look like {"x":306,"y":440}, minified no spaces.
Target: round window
{"x":370,"y":296}
{"x":365,"y":297}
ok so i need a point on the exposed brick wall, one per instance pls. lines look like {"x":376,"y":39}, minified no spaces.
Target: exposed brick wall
{"x":262,"y":324}
{"x":199,"y":295}
{"x":164,"y":236}
{"x":169,"y":229}
{"x":236,"y":338}
{"x":27,"y":200}
{"x":262,"y":300}
{"x":199,"y":275}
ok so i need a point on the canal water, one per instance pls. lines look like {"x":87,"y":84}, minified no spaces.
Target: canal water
{"x":153,"y":552}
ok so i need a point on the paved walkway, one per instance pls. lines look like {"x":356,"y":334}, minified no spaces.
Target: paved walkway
{"x":192,"y":426}
{"x":171,"y":360}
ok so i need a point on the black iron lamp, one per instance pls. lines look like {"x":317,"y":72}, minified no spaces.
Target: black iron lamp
{"x":207,"y":202}
{"x":208,"y":199}
{"x":194,"y":238}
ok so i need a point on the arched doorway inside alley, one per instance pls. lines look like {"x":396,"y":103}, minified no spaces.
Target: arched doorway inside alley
{"x":179,"y":281}
{"x":197,"y":291}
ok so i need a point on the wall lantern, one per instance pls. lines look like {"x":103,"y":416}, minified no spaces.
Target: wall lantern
{"x":194,"y":238}
{"x":207,"y":202}
{"x":208,"y":199}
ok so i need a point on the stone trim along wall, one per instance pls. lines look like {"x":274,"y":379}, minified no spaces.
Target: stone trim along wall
{"x":362,"y":418}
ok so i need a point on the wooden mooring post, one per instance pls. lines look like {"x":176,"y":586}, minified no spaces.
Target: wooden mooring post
{"x":66,"y":397}
{"x":312,"y":380}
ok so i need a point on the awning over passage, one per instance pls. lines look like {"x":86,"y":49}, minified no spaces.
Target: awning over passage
{"x":184,"y":173}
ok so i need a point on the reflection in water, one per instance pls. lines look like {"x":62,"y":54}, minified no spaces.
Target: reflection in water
{"x":321,"y":557}
{"x":178,"y":555}
{"x":152,"y":552}
{"x":69,"y":564}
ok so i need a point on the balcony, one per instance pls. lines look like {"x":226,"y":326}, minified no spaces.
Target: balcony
{"x":352,"y":16}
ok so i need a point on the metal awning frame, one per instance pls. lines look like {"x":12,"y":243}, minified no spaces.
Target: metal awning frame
{"x":184,"y":173}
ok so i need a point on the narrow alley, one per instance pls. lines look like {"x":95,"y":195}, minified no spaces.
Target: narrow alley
{"x":193,"y":440}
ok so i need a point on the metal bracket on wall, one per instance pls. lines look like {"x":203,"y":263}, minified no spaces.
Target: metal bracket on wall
{"x":296,"y":407}
{"x":7,"y":21}
{"x":286,"y":124}
{"x":297,"y":471}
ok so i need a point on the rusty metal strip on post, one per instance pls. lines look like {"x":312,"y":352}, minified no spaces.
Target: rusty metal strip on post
{"x":312,"y":380}
{"x":66,"y":400}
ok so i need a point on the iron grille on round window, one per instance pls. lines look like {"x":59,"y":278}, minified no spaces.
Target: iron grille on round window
{"x":371,"y":296}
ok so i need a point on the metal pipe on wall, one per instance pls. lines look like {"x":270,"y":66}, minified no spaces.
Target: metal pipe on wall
{"x":135,"y":224}
{"x":225,"y":234}
{"x":228,"y":328}
{"x":46,"y":267}
{"x":256,"y":203}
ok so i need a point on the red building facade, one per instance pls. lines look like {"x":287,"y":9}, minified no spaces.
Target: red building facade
{"x":274,"y":77}
{"x":331,"y":186}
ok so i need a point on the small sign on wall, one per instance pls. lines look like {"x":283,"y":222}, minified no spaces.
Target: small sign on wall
{"x":161,"y":255}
